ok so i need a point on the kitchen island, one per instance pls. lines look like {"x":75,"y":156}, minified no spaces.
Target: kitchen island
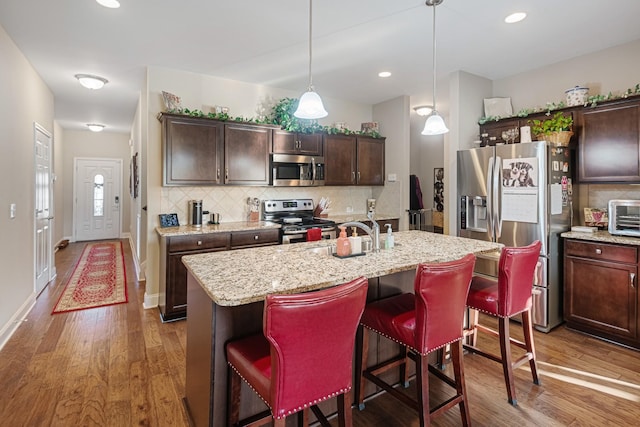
{"x":226,"y":290}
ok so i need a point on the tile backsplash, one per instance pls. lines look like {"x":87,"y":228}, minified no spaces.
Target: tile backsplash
{"x":231,"y":201}
{"x":598,"y":195}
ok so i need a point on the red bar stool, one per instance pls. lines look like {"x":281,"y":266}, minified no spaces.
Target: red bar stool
{"x":304,"y":357}
{"x":421,"y":323}
{"x":508,"y":296}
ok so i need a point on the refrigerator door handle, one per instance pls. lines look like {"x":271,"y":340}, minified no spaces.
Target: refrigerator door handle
{"x":490,"y":169}
{"x":497,"y":182}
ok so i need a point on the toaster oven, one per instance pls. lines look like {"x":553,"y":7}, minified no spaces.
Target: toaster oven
{"x":624,"y":217}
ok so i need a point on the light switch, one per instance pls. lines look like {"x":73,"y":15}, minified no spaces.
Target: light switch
{"x":392,"y":177}
{"x":12,"y":210}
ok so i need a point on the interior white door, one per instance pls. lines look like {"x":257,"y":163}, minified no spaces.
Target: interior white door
{"x":43,"y":212}
{"x":97,"y":198}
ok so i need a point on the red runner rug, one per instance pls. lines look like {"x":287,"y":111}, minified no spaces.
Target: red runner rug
{"x":98,"y":279}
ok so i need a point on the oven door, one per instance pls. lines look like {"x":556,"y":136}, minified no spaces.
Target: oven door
{"x":300,"y":236}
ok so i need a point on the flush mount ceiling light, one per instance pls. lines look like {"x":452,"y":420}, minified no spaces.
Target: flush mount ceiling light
{"x":384,"y":74}
{"x":423,"y":110}
{"x":90,"y":81}
{"x":111,"y":4}
{"x":95,"y":127}
{"x":515,"y":17}
{"x":310,"y":105}
{"x":435,"y":124}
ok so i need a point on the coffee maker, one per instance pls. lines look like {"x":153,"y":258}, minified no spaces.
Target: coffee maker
{"x":195,"y":213}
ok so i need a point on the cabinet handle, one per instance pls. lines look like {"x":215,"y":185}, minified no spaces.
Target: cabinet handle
{"x":199,"y":242}
{"x":358,"y":176}
{"x":218,"y":174}
{"x":598,"y":251}
{"x":256,"y":237}
{"x":353,"y":177}
{"x":632,"y":280}
{"x":226,"y":174}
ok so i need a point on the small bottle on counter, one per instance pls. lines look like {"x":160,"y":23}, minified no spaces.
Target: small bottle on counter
{"x":355,"y":241}
{"x":343,"y":246}
{"x":389,"y":242}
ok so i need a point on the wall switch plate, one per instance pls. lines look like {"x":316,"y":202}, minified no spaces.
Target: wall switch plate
{"x":392,"y":177}
{"x":12,"y":210}
{"x":349,"y":209}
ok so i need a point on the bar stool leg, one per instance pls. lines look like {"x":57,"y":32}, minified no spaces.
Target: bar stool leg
{"x":507,"y":366}
{"x":528,"y":339}
{"x":364,"y":346}
{"x":233,"y":405}
{"x":422,"y":378}
{"x":404,"y":372}
{"x":458,"y":371}
{"x":344,"y":410}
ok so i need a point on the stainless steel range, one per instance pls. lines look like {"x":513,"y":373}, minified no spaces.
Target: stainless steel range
{"x":296,"y":217}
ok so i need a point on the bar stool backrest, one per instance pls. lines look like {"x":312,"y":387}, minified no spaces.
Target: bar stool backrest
{"x":516,"y":271}
{"x":441,"y":294}
{"x":312,"y":337}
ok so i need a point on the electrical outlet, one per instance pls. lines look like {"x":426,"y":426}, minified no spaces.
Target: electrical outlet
{"x":12,"y":210}
{"x":392,"y":177}
{"x":349,"y":209}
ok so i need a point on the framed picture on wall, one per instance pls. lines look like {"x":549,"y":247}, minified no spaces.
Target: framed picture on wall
{"x":438,"y":189}
{"x":134,"y":179}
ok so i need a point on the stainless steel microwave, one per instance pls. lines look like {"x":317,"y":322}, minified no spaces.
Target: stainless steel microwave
{"x":297,"y":171}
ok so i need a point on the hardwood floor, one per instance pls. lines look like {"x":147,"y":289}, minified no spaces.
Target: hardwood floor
{"x":120,"y":366}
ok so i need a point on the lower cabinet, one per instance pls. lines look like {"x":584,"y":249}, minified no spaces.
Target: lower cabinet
{"x":173,"y":274}
{"x":601,"y":290}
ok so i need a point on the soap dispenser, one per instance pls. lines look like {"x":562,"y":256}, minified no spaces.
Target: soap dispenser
{"x":356,"y":242}
{"x":343,"y":247}
{"x":389,"y":243}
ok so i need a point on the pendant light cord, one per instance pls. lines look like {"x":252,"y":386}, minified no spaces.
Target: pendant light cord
{"x":434,"y":56}
{"x":310,"y":48}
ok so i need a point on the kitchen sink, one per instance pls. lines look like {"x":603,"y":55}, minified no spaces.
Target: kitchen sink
{"x":322,"y":250}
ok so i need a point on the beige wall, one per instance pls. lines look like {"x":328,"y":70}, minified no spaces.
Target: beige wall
{"x":87,"y":144}
{"x":25,"y":100}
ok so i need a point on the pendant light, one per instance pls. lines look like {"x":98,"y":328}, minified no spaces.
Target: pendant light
{"x":435,"y":124}
{"x":310,"y":105}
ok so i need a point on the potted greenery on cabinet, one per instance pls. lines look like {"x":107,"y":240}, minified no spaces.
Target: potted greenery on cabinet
{"x":557,"y":129}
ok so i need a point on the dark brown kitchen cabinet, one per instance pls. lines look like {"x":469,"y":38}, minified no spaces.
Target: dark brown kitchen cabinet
{"x":351,"y":160}
{"x":609,"y":149}
{"x":192,"y":150}
{"x":246,"y":154}
{"x":173,"y":278}
{"x":601,"y":290}
{"x":173,"y":274}
{"x":307,"y":144}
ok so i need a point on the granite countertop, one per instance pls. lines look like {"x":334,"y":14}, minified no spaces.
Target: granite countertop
{"x":602,"y":236}
{"x":233,"y":278}
{"x":185,"y":230}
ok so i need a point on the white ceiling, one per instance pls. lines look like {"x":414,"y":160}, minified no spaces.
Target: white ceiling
{"x":266,"y":42}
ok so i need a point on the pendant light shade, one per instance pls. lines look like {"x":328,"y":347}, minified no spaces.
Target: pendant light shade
{"x":310,"y":105}
{"x":435,"y":123}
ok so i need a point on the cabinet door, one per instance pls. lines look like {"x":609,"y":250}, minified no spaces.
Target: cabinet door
{"x":610,"y":144}
{"x":297,"y":143}
{"x":601,"y":297}
{"x":339,"y":160}
{"x":370,"y":155}
{"x":246,"y":154}
{"x":495,"y":129}
{"x":192,"y":151}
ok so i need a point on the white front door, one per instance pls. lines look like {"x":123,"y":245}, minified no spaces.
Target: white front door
{"x":43,"y":213}
{"x":97,"y":187}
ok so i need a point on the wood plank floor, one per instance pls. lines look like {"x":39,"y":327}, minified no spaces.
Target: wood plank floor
{"x":120,"y":366}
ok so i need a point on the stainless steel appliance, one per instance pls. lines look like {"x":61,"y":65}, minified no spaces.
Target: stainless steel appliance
{"x":515,"y":194}
{"x":195,"y":212}
{"x":624,"y":217}
{"x":296,"y":217}
{"x":300,"y":171}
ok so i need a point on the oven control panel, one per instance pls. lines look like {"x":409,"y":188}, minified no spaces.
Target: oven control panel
{"x":288,"y":205}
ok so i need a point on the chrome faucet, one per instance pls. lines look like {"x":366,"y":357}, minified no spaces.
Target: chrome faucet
{"x":373,"y":232}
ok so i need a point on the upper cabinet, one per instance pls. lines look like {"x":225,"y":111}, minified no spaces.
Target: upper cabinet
{"x":353,"y":160}
{"x":192,"y":150}
{"x":307,"y":144}
{"x":199,"y":151}
{"x":246,"y":154}
{"x":609,"y":143}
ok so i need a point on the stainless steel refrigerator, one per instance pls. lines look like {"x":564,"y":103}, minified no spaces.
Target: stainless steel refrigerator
{"x":515,"y":194}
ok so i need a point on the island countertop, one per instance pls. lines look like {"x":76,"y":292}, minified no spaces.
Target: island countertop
{"x":234,"y":278}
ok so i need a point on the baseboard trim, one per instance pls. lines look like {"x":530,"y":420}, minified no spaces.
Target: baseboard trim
{"x":16,"y":320}
{"x":136,"y":261}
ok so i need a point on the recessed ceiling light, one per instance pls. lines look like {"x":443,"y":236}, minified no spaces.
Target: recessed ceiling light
{"x":515,"y":17}
{"x":111,"y":4}
{"x":90,"y":81}
{"x":384,"y":74}
{"x":95,"y":127}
